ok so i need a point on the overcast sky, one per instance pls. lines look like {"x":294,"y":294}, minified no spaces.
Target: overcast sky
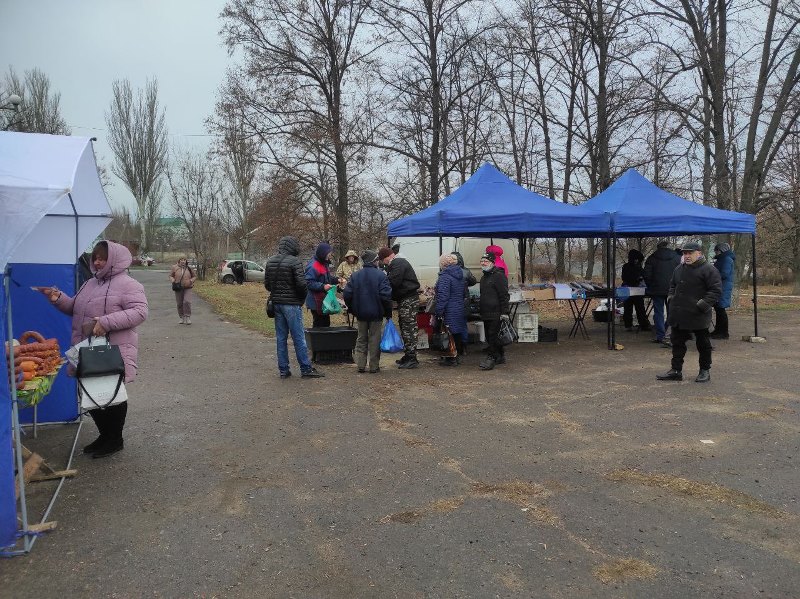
{"x":84,"y":45}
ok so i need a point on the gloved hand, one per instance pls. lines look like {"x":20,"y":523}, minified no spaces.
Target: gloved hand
{"x":504,"y":317}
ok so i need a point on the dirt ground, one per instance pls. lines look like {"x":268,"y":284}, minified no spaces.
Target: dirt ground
{"x":568,"y":472}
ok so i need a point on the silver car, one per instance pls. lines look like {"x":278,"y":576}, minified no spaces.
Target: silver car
{"x":252,"y":272}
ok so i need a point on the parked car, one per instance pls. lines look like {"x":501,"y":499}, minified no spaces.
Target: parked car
{"x":143,"y":261}
{"x":252,"y":272}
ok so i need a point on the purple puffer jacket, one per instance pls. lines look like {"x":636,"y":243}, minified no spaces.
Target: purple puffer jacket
{"x":117,"y":299}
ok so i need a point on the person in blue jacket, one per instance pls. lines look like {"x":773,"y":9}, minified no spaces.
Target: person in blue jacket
{"x":450,"y":303}
{"x":318,"y":280}
{"x":724,"y":260}
{"x":368,"y":296}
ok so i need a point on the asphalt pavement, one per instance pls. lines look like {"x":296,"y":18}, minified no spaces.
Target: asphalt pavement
{"x":568,"y":472}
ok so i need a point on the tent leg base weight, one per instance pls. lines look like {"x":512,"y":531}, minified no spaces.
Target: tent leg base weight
{"x":754,"y":339}
{"x":43,"y":527}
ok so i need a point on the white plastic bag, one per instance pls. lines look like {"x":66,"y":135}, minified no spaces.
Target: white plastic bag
{"x":98,"y":392}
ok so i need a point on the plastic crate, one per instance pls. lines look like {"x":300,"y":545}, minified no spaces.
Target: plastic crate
{"x":528,"y":335}
{"x":526,"y":322}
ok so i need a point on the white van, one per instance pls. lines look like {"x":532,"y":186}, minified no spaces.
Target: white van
{"x":423,"y":254}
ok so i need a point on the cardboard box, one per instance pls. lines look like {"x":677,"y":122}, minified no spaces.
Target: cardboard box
{"x":539,"y":294}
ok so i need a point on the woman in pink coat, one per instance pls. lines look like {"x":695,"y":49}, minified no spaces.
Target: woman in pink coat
{"x":110,"y":303}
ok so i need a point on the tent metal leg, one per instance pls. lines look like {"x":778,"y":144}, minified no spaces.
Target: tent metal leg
{"x":613,"y":275}
{"x":755,"y":289}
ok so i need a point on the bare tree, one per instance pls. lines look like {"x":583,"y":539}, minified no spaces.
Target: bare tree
{"x":296,"y":92}
{"x":196,"y":189}
{"x":40,"y":108}
{"x":137,"y":134}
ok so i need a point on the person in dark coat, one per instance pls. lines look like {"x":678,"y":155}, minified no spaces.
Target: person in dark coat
{"x":724,"y":259}
{"x":494,"y":308}
{"x":237,"y":268}
{"x":450,"y":303}
{"x":658,"y":269}
{"x":694,"y":290}
{"x":633,"y":276}
{"x":469,"y":281}
{"x":368,"y":296}
{"x":405,"y":291}
{"x":286,"y":283}
{"x":319,"y":279}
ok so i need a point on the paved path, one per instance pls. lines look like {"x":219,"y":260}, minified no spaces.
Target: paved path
{"x":567,"y":467}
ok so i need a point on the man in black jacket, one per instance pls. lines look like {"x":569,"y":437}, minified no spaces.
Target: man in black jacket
{"x":285,"y":279}
{"x":405,"y":291}
{"x":658,"y":269}
{"x":494,"y":308}
{"x":694,"y":289}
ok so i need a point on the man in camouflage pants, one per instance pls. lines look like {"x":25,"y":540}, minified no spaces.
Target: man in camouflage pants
{"x":405,"y":291}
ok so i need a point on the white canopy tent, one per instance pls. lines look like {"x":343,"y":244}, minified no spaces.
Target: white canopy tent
{"x":52,"y":204}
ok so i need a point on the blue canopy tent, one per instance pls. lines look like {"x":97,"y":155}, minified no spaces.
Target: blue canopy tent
{"x":636,"y":207}
{"x":489,"y":204}
{"x":52,"y":206}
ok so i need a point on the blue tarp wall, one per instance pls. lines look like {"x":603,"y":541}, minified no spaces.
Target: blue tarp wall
{"x":8,"y":506}
{"x":30,"y":310}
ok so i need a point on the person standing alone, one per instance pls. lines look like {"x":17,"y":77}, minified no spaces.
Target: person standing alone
{"x":694,"y":290}
{"x":368,"y":296}
{"x":182,"y":277}
{"x":286,"y":283}
{"x":405,"y":291}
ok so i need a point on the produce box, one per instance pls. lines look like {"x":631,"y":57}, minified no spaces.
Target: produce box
{"x":547,"y":293}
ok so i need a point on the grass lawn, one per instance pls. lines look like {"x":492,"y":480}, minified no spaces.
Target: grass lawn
{"x":244,"y":305}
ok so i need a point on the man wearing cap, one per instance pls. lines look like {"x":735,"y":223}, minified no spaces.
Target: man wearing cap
{"x":368,"y":296}
{"x":694,"y":289}
{"x":494,"y":308}
{"x":405,"y":291}
{"x":658,"y":269}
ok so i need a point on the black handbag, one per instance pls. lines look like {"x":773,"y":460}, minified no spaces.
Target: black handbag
{"x":100,"y":361}
{"x":270,"y":308}
{"x":442,"y":340}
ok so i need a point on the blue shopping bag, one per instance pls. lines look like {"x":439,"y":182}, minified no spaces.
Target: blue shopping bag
{"x":391,"y":342}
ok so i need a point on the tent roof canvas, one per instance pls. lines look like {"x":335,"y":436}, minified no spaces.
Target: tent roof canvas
{"x":638,"y":208}
{"x":51,"y":198}
{"x":489,"y":204}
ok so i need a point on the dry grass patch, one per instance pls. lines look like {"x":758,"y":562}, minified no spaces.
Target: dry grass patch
{"x":447,"y":505}
{"x":620,"y":570}
{"x":389,"y":424}
{"x":516,"y":492}
{"x":564,"y":422}
{"x":697,"y":490}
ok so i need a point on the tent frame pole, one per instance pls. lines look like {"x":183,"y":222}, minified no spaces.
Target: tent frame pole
{"x":15,"y":428}
{"x":607,"y":243}
{"x":613,"y":274}
{"x":755,"y":287}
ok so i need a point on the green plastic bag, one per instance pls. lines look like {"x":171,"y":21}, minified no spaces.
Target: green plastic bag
{"x":331,"y":305}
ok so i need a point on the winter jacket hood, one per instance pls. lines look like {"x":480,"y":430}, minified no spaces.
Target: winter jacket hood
{"x":119,"y":260}
{"x":289,"y":246}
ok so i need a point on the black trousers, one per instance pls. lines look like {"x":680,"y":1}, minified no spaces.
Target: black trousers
{"x":320,"y":319}
{"x":679,"y":337}
{"x":491,"y":329}
{"x":721,"y":321}
{"x":110,"y":421}
{"x":641,"y":314}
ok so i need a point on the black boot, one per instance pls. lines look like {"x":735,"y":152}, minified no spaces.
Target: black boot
{"x":94,"y":445}
{"x":671,"y":375}
{"x":704,"y":376}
